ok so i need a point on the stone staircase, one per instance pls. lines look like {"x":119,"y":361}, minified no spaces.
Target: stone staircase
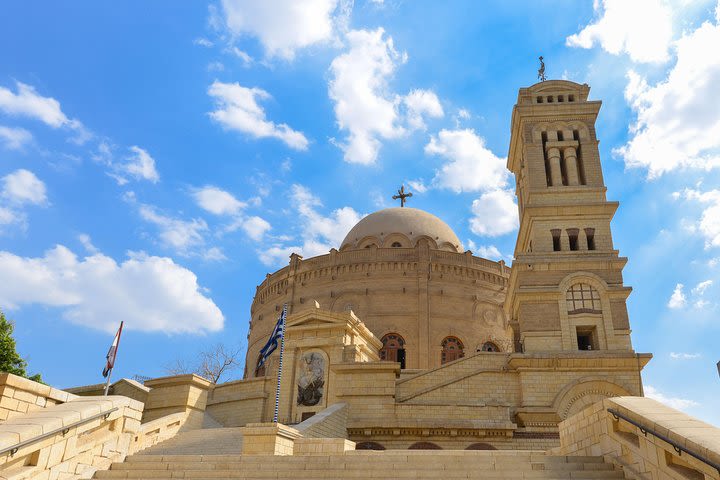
{"x":212,"y":459}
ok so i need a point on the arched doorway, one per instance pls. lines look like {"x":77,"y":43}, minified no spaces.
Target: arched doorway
{"x":424,"y":446}
{"x":452,"y":349}
{"x":369,"y":446}
{"x":393,"y":349}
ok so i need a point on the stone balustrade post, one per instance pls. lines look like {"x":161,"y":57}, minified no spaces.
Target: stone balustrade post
{"x":179,"y":393}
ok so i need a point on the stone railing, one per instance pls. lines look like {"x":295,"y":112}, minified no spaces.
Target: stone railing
{"x":77,"y":438}
{"x":19,"y":396}
{"x":329,"y":423}
{"x":647,"y":439}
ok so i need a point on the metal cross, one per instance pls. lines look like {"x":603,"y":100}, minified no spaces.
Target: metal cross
{"x":402,"y":195}
{"x":541,"y":70}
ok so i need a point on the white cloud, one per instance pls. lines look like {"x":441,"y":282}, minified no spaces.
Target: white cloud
{"x":678,"y":119}
{"x":641,"y":28}
{"x":140,"y":165}
{"x":181,"y":235}
{"x":672,"y":402}
{"x":218,"y":201}
{"x":149,"y":293}
{"x":471,"y":166}
{"x":256,"y":227}
{"x":215,"y":67}
{"x":319,"y":233}
{"x":246,"y":59}
{"x":10,"y":217}
{"x":684,"y":356}
{"x":420,"y":104}
{"x":23,"y":187}
{"x":237,"y":109}
{"x":709,"y":223}
{"x":28,"y":103}
{"x":485,"y":251}
{"x":14,"y":138}
{"x":87,"y":244}
{"x":494,"y":213}
{"x":203,"y":42}
{"x":359,"y":89}
{"x":701,"y":287}
{"x":281,"y":26}
{"x":677,"y":299}
{"x":418,"y":186}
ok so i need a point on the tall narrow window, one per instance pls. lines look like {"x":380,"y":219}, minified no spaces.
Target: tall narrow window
{"x":548,"y":176}
{"x":556,"y":239}
{"x":573,"y":237}
{"x":452,"y":349}
{"x":590,"y":234}
{"x":393,"y":349}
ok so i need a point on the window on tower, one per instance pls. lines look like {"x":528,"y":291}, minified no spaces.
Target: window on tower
{"x":393,"y":349}
{"x":452,"y":349}
{"x":582,"y":298}
{"x":573,"y":237}
{"x":590,"y":234}
{"x":556,"y":239}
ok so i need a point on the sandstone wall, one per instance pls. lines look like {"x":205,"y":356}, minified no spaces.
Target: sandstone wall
{"x":19,"y":395}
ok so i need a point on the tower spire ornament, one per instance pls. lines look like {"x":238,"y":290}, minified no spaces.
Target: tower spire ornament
{"x":402,"y":195}
{"x":541,"y":70}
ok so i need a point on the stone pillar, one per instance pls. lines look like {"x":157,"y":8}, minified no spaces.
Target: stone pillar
{"x":571,"y":166}
{"x":553,"y":155}
{"x":179,"y":393}
{"x":268,"y":439}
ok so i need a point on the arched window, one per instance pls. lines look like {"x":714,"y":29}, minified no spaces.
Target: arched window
{"x":424,"y":446}
{"x":480,"y":446}
{"x":396,"y":245}
{"x":393,"y":349}
{"x":452,"y":349}
{"x":582,"y":298}
{"x":369,"y":446}
{"x":490,"y":347}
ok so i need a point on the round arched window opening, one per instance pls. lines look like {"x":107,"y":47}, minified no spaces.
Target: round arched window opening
{"x":452,"y":349}
{"x":393,"y":349}
{"x":369,"y":446}
{"x":396,"y":245}
{"x":490,"y":347}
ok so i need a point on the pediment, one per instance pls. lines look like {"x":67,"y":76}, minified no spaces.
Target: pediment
{"x":319,"y":318}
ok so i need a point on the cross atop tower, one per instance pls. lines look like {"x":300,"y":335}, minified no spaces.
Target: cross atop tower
{"x":402,"y":195}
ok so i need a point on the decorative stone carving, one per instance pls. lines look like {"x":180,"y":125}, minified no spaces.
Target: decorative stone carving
{"x":311,"y":379}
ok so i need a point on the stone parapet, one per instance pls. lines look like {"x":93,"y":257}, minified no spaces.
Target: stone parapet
{"x":19,"y":395}
{"x":268,"y":439}
{"x":179,"y":393}
{"x":642,"y":452}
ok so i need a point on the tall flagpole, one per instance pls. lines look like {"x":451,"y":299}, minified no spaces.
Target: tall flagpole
{"x":107,"y":384}
{"x":280,"y":364}
{"x":114,"y":356}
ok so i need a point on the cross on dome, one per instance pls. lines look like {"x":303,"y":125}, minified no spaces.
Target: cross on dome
{"x":402,"y":195}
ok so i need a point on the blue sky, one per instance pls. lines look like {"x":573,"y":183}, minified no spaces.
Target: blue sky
{"x":157,"y":159}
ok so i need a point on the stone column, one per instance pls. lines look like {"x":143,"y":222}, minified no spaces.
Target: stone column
{"x":179,"y":393}
{"x":571,"y":165}
{"x":553,"y":155}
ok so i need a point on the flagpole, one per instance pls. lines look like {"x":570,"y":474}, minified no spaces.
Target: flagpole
{"x":107,"y":384}
{"x":280,"y":364}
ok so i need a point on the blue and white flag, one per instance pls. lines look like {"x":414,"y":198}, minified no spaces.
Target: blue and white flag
{"x":277,"y":334}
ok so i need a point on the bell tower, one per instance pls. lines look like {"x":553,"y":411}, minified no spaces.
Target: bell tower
{"x":566,"y":288}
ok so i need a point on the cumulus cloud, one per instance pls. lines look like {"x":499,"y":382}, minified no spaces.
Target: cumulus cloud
{"x":23,"y":187}
{"x":237,"y":109}
{"x":678,"y":119}
{"x":678,"y":298}
{"x":673,"y":402}
{"x":27,"y":102}
{"x":319,"y":233}
{"x":494,"y":213}
{"x":14,"y":138}
{"x":149,"y":293}
{"x":219,"y":202}
{"x":420,"y":104}
{"x":709,"y":223}
{"x":282,"y":26}
{"x":470,"y":166}
{"x":617,"y":30}
{"x":184,"y":236}
{"x":701,"y":287}
{"x":485,"y":251}
{"x":138,"y":164}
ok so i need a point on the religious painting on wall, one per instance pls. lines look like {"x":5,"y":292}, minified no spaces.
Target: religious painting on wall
{"x":311,"y":379}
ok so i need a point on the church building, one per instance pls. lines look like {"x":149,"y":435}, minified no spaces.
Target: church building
{"x":430,"y":346}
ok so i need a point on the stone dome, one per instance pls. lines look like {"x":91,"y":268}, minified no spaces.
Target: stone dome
{"x":401,"y":227}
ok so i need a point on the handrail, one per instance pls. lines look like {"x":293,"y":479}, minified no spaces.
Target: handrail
{"x":64,"y":430}
{"x":678,"y":448}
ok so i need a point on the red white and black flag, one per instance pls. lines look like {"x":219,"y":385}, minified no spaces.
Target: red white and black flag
{"x":112,"y":353}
